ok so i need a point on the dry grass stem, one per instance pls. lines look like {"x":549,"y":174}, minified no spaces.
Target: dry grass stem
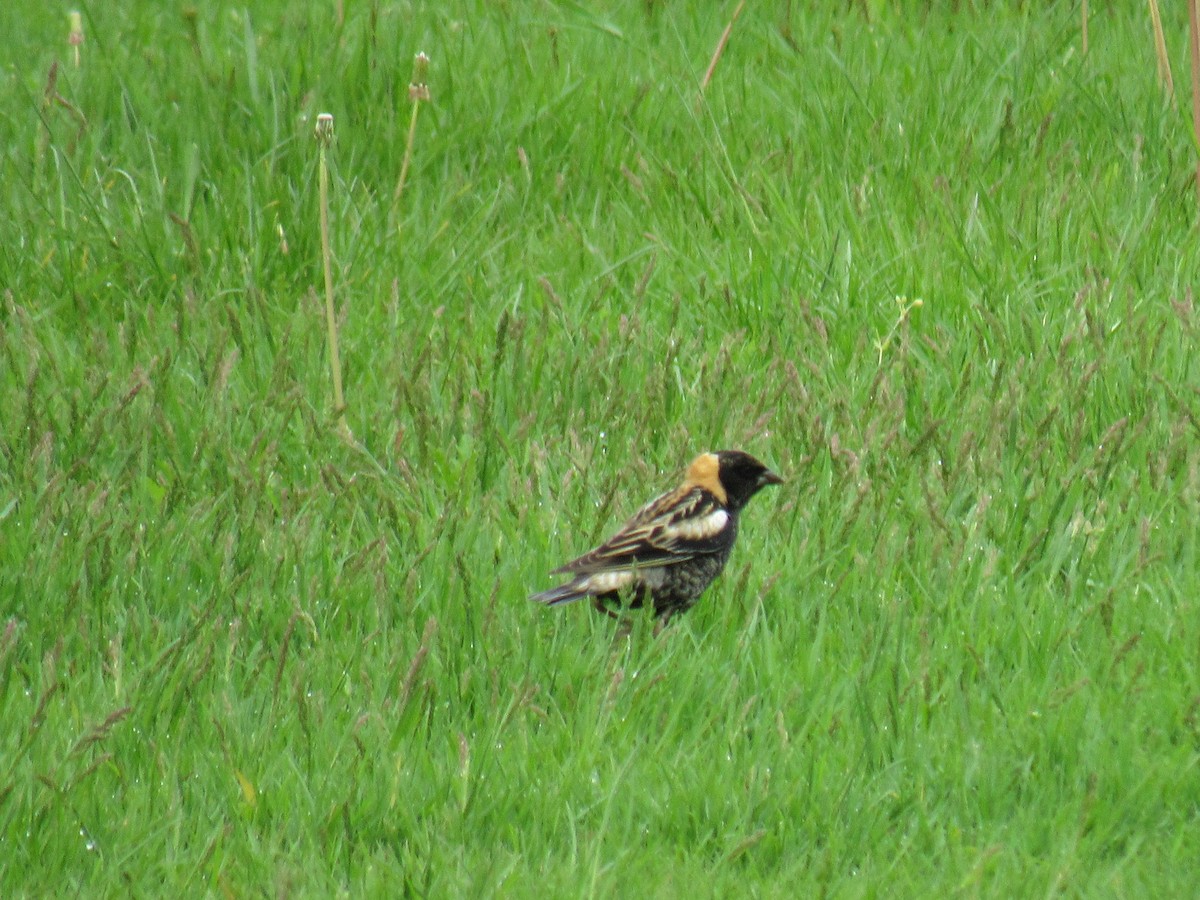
{"x":324,"y":136}
{"x":1194,"y":45}
{"x":75,"y":36}
{"x":716,"y":57}
{"x":1160,"y":52}
{"x":418,"y":91}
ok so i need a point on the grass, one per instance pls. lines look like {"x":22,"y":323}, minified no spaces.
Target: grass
{"x":959,"y":652}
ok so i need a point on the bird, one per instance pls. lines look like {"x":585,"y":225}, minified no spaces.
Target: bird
{"x":674,"y":546}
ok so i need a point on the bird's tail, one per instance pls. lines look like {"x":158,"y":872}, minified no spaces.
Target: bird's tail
{"x":564,"y":593}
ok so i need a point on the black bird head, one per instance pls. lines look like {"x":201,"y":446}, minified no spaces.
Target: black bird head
{"x":742,"y":476}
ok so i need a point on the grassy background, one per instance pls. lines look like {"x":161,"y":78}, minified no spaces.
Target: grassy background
{"x":958,"y":652}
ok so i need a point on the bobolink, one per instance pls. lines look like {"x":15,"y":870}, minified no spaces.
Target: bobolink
{"x":675,"y":545}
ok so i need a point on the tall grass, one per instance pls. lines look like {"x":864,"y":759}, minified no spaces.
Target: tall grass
{"x":956,"y":653}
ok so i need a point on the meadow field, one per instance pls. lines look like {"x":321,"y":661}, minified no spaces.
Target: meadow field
{"x":930,"y":261}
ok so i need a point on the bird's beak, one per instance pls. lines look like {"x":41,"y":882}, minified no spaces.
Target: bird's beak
{"x":768,"y":477}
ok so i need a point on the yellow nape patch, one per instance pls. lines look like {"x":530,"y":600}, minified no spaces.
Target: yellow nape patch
{"x":705,"y":472}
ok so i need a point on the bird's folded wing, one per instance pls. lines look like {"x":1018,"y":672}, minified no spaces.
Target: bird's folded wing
{"x":673,"y":528}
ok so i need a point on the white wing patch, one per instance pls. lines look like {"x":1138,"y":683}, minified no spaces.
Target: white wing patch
{"x":698,"y":529}
{"x":604,"y":582}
